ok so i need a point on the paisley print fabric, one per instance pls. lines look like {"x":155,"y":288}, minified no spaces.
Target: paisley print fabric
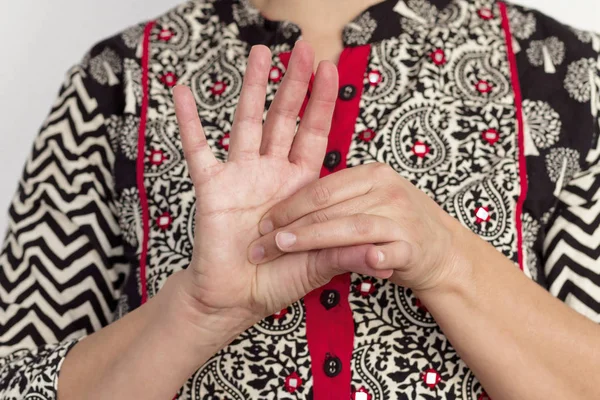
{"x":499,"y":126}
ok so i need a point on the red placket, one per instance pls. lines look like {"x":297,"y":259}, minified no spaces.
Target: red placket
{"x":329,"y":321}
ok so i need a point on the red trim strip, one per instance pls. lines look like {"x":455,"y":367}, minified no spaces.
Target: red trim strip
{"x":331,"y":332}
{"x":352,"y":67}
{"x":141,"y":157}
{"x":519,"y":110}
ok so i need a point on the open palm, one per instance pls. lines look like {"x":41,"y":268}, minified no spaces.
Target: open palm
{"x":267,"y":163}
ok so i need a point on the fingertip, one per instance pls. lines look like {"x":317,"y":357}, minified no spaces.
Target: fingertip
{"x":285,"y":240}
{"x":180,"y":90}
{"x":176,"y":93}
{"x":372,"y":257}
{"x":327,"y":70}
{"x":266,"y":226}
{"x":182,"y":96}
{"x":385,"y":274}
{"x":260,"y":47}
{"x":262,"y":54}
{"x":303,"y":45}
{"x":305,"y":52}
{"x":327,"y":65}
{"x":256,"y":253}
{"x":327,"y":78}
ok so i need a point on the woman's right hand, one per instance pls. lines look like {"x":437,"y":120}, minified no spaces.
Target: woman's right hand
{"x":267,"y":163}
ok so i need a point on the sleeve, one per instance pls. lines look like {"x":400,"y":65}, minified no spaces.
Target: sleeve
{"x":62,"y":264}
{"x":571,"y":250}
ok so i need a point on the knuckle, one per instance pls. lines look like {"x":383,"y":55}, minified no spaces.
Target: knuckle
{"x":384,"y":170}
{"x":320,"y":195}
{"x":286,"y":112}
{"x":250,"y":119}
{"x":362,"y":224}
{"x":323,"y":103}
{"x":396,"y":194}
{"x":323,"y":261}
{"x":319,"y":217}
{"x":281,"y":216}
{"x":333,"y":258}
{"x":194,"y":147}
{"x":320,"y":130}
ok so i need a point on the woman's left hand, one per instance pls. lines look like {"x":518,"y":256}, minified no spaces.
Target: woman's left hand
{"x":370,"y":204}
{"x":488,"y":309}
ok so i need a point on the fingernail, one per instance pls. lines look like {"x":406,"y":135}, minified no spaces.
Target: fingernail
{"x":266,"y":226}
{"x":285,"y":239}
{"x":384,"y":274}
{"x":257,"y":253}
{"x":381,"y":256}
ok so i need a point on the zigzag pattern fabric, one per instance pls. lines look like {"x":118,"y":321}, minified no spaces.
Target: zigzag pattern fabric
{"x":70,"y":263}
{"x":572,"y":245}
{"x":62,"y":263}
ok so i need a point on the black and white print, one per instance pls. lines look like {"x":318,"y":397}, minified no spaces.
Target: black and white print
{"x":360,"y":30}
{"x":548,"y":53}
{"x":105,"y":66}
{"x":64,"y":251}
{"x":438,"y":106}
{"x":580,"y":78}
{"x":542,"y":126}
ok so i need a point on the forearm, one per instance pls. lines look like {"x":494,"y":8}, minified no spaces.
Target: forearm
{"x":123,"y":360}
{"x":521,"y":342}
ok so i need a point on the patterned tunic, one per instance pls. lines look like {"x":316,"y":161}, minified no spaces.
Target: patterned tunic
{"x":489,"y":108}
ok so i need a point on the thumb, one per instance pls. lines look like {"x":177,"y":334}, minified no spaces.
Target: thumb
{"x":325,"y":264}
{"x":287,"y":279}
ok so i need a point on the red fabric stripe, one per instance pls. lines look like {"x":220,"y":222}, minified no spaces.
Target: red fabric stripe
{"x":352,"y":67}
{"x":519,"y":110}
{"x":332,"y":331}
{"x":141,"y":157}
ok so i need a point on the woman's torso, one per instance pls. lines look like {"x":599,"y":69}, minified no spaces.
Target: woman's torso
{"x":490,"y":122}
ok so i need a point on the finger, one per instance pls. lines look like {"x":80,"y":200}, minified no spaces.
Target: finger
{"x":280,"y":124}
{"x":391,"y":256}
{"x":347,"y":231}
{"x":291,"y":277}
{"x":325,"y":192}
{"x":196,"y":149}
{"x":332,"y":262}
{"x":364,"y":204}
{"x":265,"y":247}
{"x":310,"y":143}
{"x":247,"y":126}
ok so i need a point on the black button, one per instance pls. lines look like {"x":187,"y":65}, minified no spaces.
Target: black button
{"x":332,"y":366}
{"x":347,"y":92}
{"x":332,"y":160}
{"x":330,"y":298}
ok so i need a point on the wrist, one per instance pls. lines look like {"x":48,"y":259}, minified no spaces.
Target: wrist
{"x":456,"y":274}
{"x":167,"y":337}
{"x":201,"y":328}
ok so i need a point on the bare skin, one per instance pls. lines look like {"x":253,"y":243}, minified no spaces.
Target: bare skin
{"x":520,"y":341}
{"x":101,"y":365}
{"x":221,"y":294}
{"x":323,"y":28}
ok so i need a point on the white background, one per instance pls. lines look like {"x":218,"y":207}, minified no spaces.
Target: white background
{"x":41,"y":39}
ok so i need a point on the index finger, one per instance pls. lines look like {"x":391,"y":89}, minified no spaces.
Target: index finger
{"x":323,"y":193}
{"x":197,"y":152}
